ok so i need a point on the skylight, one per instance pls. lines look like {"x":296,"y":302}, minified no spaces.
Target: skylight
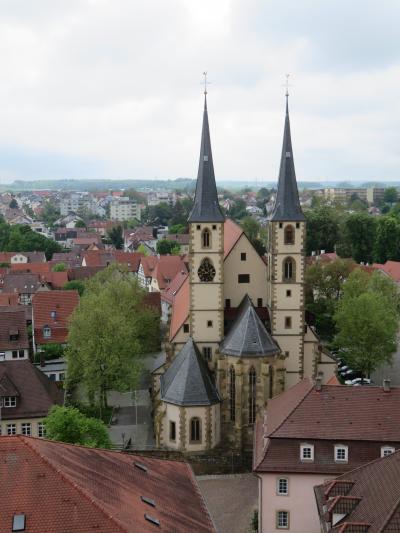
{"x":141,"y":466}
{"x":151,"y":519}
{"x":149,"y":501}
{"x":18,"y":522}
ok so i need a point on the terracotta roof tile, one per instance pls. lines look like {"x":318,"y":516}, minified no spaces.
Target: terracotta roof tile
{"x":169,"y":293}
{"x":44,"y":304}
{"x":13,"y":319}
{"x":70,"y":488}
{"x":232,"y":232}
{"x":8,"y":298}
{"x":391,"y":268}
{"x":166,"y":268}
{"x":180,"y":309}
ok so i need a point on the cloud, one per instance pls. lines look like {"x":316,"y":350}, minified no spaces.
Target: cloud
{"x":111,"y":88}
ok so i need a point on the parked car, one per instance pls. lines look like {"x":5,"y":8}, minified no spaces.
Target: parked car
{"x":357,"y":381}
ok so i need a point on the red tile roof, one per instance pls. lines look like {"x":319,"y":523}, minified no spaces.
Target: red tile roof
{"x":166,"y":268}
{"x":44,"y":304}
{"x":95,"y":258}
{"x":36,"y":393}
{"x":8,"y":298}
{"x":170,"y":291}
{"x":368,"y":495}
{"x":13,"y":321}
{"x":34,"y":268}
{"x":361,"y":417}
{"x":148,"y":263}
{"x":232,"y":233}
{"x":61,"y":487}
{"x":391,"y":268}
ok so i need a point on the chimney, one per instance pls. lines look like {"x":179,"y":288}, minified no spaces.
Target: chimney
{"x":318,"y":383}
{"x":386,"y":385}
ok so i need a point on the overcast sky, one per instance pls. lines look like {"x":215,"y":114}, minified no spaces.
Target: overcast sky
{"x":112,"y":88}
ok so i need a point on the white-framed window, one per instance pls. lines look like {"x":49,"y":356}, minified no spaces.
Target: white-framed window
{"x":387,"y":450}
{"x":341,"y":453}
{"x":41,"y":428}
{"x":282,"y":486}
{"x":46,"y":332}
{"x":26,"y":429}
{"x":282,"y":519}
{"x":9,"y":401}
{"x":11,"y":429}
{"x":307,"y":452}
{"x":2,"y":356}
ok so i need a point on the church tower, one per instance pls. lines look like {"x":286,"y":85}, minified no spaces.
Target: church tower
{"x":206,"y":254}
{"x":286,"y":264}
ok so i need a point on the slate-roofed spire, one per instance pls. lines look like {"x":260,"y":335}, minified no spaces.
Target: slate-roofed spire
{"x":206,"y":207}
{"x":287,"y":203}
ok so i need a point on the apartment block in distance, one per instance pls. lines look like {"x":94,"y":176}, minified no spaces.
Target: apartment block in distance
{"x":124,"y":209}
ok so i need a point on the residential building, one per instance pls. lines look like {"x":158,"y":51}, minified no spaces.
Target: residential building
{"x":375,"y":195}
{"x":312,"y":433}
{"x":62,"y":487}
{"x":124,"y":209}
{"x":24,"y":284}
{"x":364,"y":500}
{"x":168,"y":294}
{"x":26,"y":396}
{"x":74,"y":202}
{"x":54,"y":369}
{"x":16,"y":258}
{"x":165,"y":269}
{"x":51,"y":312}
{"x":14,"y":342}
{"x":244,"y":313}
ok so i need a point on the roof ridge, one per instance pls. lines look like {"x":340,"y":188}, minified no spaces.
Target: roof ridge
{"x":69,"y":481}
{"x":199,"y":493}
{"x":294,"y":409}
{"x":390,"y":515}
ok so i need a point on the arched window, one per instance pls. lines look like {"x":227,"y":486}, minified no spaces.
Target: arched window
{"x":288,"y":269}
{"x":206,"y":238}
{"x":252,"y":395}
{"x":289,"y":235}
{"x":206,"y":271}
{"x":232,"y":393}
{"x":195,"y":430}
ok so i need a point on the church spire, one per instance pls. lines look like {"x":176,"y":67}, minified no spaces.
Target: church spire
{"x":287,"y":203}
{"x":206,"y":207}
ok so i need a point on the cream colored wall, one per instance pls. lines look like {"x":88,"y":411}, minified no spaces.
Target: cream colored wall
{"x":254,"y":265}
{"x":300,"y":502}
{"x":33,"y":421}
{"x":192,"y":412}
{"x":172,"y":414}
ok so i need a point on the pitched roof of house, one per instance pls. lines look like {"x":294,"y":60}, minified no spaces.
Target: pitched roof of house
{"x":33,"y":257}
{"x":206,"y":206}
{"x":248,"y":336}
{"x":36,"y":393}
{"x":62,"y":487}
{"x":287,"y":203}
{"x":148,"y":263}
{"x":368,"y":497}
{"x":172,"y":288}
{"x":232,"y":233}
{"x":13,"y":322}
{"x":21,"y":283}
{"x":8,"y":298}
{"x":180,"y":238}
{"x":53,"y":309}
{"x":33,"y":268}
{"x":96,"y":258}
{"x":187,"y":380}
{"x":391,"y":268}
{"x":82,"y":272}
{"x":166,"y":268}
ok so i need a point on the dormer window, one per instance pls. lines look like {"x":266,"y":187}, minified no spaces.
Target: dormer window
{"x":341,"y":453}
{"x":9,"y":401}
{"x":46,"y":332}
{"x":14,"y":334}
{"x":307,"y":452}
{"x":387,"y":450}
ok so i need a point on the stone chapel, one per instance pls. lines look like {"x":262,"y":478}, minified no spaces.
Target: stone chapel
{"x":238,"y":334}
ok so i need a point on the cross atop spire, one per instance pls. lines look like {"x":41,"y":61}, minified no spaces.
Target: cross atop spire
{"x":287,"y":203}
{"x":206,"y":207}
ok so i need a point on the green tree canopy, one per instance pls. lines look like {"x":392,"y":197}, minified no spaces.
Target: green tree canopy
{"x":238,"y":209}
{"x":75,"y":285}
{"x":359,"y":236}
{"x":109,"y":331}
{"x":322,"y":229}
{"x":387,"y":241}
{"x":390,"y":195}
{"x":68,"y":424}
{"x":60,"y":267}
{"x":178,"y":228}
{"x":116,"y":236}
{"x":13,"y":204}
{"x":367,"y":321}
{"x":21,"y":238}
{"x":251,"y":227}
{"x":165,"y":247}
{"x":80,"y":224}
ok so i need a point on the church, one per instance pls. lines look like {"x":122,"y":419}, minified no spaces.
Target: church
{"x":238,"y":334}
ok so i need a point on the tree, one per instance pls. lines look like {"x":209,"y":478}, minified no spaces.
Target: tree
{"x":390,"y":195}
{"x":387,"y":241}
{"x":13,"y":204}
{"x":366,"y":331}
{"x":116,"y":237}
{"x":322,"y":229}
{"x":166,"y":247}
{"x":367,"y":321}
{"x":143,"y":250}
{"x":50,"y":213}
{"x":60,"y":267}
{"x":109,"y":331}
{"x":263,"y":193}
{"x":323,"y":287}
{"x":52,"y":351}
{"x":75,"y":285}
{"x":68,"y":424}
{"x":238,"y":209}
{"x":359,"y":235}
{"x":21,"y":238}
{"x":178,"y":228}
{"x":251,"y":227}
{"x":80,"y":224}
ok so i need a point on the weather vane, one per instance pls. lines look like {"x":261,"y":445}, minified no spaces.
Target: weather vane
{"x":206,"y":82}
{"x":287,"y":85}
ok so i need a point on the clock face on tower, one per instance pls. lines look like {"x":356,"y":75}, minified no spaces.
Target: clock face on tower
{"x":206,"y":271}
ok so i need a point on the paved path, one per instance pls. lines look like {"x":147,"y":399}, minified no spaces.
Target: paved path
{"x":231,"y":500}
